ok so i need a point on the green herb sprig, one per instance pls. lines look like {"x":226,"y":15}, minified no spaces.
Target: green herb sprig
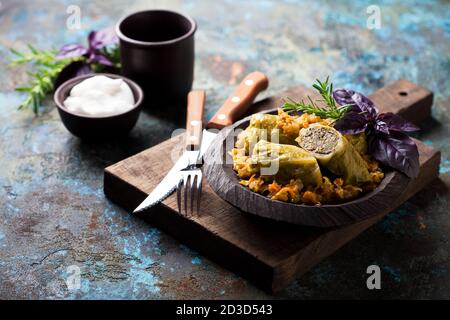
{"x":331,"y":110}
{"x":55,"y":66}
{"x":47,"y":68}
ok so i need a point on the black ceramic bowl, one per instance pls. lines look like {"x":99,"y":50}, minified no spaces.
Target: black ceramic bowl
{"x":98,"y":127}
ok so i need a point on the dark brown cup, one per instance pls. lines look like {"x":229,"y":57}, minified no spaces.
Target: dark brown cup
{"x":157,"y":51}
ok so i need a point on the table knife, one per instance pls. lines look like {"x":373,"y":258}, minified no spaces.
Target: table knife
{"x":195,"y":107}
{"x":231,"y":110}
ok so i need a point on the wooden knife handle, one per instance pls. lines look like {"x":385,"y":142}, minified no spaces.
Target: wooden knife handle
{"x":239,"y":102}
{"x":194,"y":121}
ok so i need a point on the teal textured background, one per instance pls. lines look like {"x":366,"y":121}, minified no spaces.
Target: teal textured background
{"x":53,"y":213}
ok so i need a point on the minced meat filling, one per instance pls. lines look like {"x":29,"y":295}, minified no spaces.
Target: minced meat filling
{"x":318,"y":140}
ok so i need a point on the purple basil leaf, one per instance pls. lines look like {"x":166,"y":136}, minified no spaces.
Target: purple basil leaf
{"x":365,"y":104}
{"x":91,"y":39}
{"x":396,"y":122}
{"x":381,"y":126}
{"x":102,"y":38}
{"x":101,"y":59}
{"x":74,"y":69}
{"x":396,"y":150}
{"x":359,"y":101}
{"x":343,"y":96}
{"x":351,"y":123}
{"x":71,"y":51}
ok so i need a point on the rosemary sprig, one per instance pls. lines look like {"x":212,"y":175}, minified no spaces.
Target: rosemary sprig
{"x":47,"y":69}
{"x":331,"y":110}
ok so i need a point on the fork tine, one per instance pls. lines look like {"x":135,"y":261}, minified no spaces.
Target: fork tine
{"x":193,"y":191}
{"x":187,"y":181}
{"x":199,"y":191}
{"x":179,"y":187}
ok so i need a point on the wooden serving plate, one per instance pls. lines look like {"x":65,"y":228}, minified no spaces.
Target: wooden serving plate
{"x":223,"y":180}
{"x":268,"y":253}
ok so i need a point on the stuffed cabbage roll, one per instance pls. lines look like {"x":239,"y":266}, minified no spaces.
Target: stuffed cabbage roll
{"x":285,"y":162}
{"x":358,"y":141}
{"x":248,"y":138}
{"x":334,"y":152}
{"x":268,"y":123}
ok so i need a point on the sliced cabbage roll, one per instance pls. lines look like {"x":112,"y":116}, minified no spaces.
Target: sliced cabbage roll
{"x":284,"y":162}
{"x":334,"y":152}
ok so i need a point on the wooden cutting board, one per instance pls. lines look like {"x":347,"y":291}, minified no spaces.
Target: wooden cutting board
{"x":270,"y":254}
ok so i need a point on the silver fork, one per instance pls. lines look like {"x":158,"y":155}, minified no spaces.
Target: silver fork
{"x":190,"y":182}
{"x":191,"y":185}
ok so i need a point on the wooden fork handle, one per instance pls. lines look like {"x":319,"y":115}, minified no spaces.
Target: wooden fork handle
{"x":242,"y":98}
{"x":194,"y":121}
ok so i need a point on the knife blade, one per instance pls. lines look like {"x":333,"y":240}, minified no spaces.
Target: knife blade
{"x":196,"y":103}
{"x":165,"y":187}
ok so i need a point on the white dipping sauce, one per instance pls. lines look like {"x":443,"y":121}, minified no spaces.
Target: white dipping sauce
{"x":100,"y":96}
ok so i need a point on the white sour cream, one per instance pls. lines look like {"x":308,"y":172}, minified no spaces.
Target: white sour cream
{"x":100,"y":96}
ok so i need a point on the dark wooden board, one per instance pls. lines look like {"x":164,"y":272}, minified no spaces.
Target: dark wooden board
{"x":270,"y":254}
{"x":402,"y":97}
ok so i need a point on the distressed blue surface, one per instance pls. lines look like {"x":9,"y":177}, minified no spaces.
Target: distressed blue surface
{"x":53,"y":213}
